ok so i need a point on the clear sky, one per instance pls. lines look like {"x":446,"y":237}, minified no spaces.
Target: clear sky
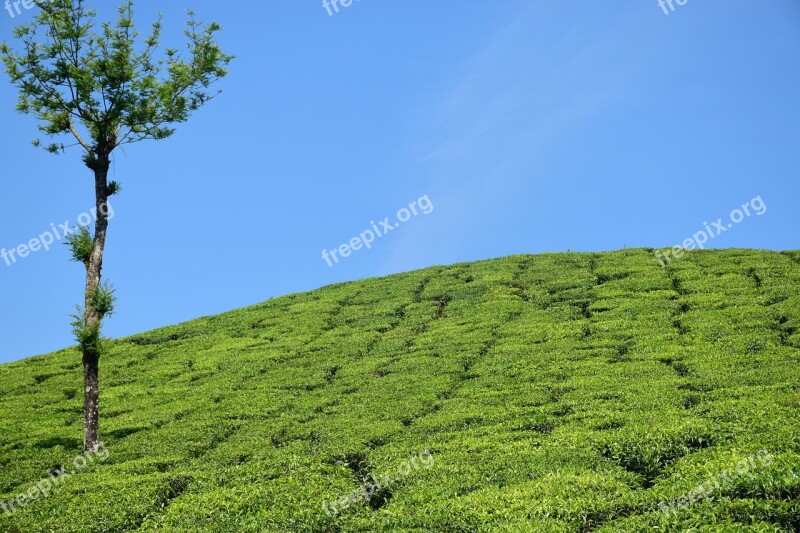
{"x":531,"y":126}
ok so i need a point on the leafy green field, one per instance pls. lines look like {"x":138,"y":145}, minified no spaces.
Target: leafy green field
{"x":558,"y":392}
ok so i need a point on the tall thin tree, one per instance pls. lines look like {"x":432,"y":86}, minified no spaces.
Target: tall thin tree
{"x":105,"y":89}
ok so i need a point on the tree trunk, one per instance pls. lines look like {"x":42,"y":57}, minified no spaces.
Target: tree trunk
{"x":91,"y":403}
{"x":91,"y":353}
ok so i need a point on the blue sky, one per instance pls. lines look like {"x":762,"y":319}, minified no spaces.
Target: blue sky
{"x":531,"y":126}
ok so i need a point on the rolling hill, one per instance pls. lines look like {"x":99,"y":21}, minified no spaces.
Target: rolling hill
{"x":557,"y":392}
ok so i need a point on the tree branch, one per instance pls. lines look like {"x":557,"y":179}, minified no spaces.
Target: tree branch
{"x":78,"y":137}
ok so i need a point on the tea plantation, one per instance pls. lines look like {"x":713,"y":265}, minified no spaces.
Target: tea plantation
{"x":557,"y":392}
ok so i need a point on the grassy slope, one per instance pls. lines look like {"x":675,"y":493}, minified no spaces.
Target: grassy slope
{"x":559,"y":392}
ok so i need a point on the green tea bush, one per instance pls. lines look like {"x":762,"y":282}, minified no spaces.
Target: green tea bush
{"x":558,"y":392}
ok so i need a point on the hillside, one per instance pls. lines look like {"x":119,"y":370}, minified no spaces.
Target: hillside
{"x":558,"y":392}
